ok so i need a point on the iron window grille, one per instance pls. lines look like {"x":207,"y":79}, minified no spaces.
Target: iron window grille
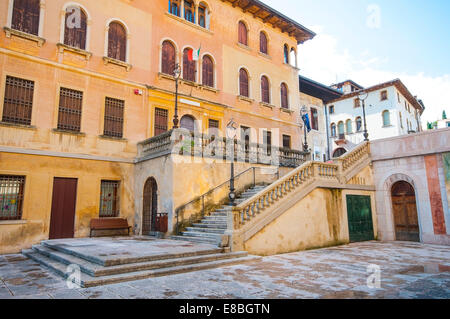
{"x":69,"y":115}
{"x":109,"y":199}
{"x":11,"y":197}
{"x":114,"y":109}
{"x":161,"y":119}
{"x":18,"y":102}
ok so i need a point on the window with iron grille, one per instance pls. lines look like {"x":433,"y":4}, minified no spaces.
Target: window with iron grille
{"x":110,"y":199}
{"x":18,"y":101}
{"x":69,"y":115}
{"x":11,"y":197}
{"x":75,"y":33}
{"x":161,"y":118}
{"x":25,"y":16}
{"x":114,"y":117}
{"x":213,"y":123}
{"x":286,"y":141}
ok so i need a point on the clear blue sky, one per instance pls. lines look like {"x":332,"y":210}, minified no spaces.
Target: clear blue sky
{"x":414,"y":35}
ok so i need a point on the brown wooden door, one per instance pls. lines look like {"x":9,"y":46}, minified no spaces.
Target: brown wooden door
{"x":405,"y":212}
{"x":62,"y":221}
{"x":150,"y":207}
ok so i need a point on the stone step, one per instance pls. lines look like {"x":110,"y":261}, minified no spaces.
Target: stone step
{"x":89,"y":281}
{"x":95,"y":270}
{"x":205,"y":225}
{"x":203,"y":235}
{"x":114,"y":261}
{"x":206,"y":230}
{"x":202,"y":240}
{"x":221,"y":214}
{"x":222,"y":219}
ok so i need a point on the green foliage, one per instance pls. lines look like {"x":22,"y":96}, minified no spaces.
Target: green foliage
{"x":444,"y":115}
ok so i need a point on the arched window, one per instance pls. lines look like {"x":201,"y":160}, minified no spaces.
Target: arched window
{"x":117,"y":42}
{"x":358,"y":124}
{"x":333,"y":130}
{"x":203,"y":16}
{"x":75,"y":28}
{"x":174,"y":7}
{"x":349,"y":127}
{"x":284,"y":96}
{"x":208,"y":71}
{"x":243,"y":83}
{"x":189,"y":66}
{"x":286,"y":54}
{"x":188,"y":122}
{"x":293,"y":57}
{"x":243,"y":33}
{"x":25,"y":16}
{"x":386,"y":118}
{"x":189,"y":12}
{"x":263,"y":48}
{"x":341,"y":128}
{"x":265,"y":93}
{"x":168,"y":58}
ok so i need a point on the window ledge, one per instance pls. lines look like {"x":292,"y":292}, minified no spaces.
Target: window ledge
{"x":209,"y":88}
{"x":291,"y":66}
{"x":196,"y":26}
{"x":188,"y":82}
{"x":22,"y":126}
{"x":387,"y":126}
{"x":64,"y":47}
{"x":13,"y":222}
{"x":125,"y":65}
{"x":243,"y":46}
{"x":10,"y":32}
{"x":165,"y":76}
{"x":112,"y":138}
{"x":267,"y":105}
{"x":286,"y":110}
{"x":56,"y":130}
{"x":265,"y":55}
{"x":244,"y":98}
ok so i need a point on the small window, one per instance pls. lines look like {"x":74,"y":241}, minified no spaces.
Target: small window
{"x":11,"y":197}
{"x":268,"y":141}
{"x":265,"y":91}
{"x":110,"y":199}
{"x":243,"y":33}
{"x":168,"y":58}
{"x":114,"y":117}
{"x":286,"y":54}
{"x":286,"y":141}
{"x":189,"y":11}
{"x":25,"y":16}
{"x":314,"y":119}
{"x":383,"y":96}
{"x":386,"y":118}
{"x":263,"y":43}
{"x":208,"y":71}
{"x":117,"y":42}
{"x":161,"y":119}
{"x":243,"y":83}
{"x":213,"y":124}
{"x":341,"y":128}
{"x":349,"y":127}
{"x":401,"y":119}
{"x":333,"y":130}
{"x":284,"y":96}
{"x":18,"y":102}
{"x":356,"y":103}
{"x":69,"y":115}
{"x":189,"y":66}
{"x":358,"y":124}
{"x":331,"y":109}
{"x":75,"y":35}
{"x":174,"y":7}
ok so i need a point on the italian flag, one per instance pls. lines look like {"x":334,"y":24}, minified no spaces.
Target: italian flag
{"x":194,"y":55}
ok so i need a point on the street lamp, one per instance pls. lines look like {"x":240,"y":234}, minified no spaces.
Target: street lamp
{"x":231,"y":134}
{"x":177,"y":74}
{"x":362,"y":96}
{"x":303,"y":112}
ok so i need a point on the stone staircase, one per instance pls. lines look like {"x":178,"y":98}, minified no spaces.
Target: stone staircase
{"x":212,"y":228}
{"x":102,"y":269}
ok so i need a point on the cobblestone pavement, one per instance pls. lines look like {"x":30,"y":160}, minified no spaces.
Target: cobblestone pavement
{"x":408,"y":270}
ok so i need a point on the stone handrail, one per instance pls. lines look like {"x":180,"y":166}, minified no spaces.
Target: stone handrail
{"x":303,"y":175}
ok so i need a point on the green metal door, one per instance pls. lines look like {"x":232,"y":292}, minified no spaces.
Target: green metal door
{"x":360,"y":224}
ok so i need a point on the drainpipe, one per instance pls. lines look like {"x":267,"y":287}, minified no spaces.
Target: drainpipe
{"x":328,"y":133}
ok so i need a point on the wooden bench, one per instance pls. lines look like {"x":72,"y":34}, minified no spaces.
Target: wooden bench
{"x":109,"y":224}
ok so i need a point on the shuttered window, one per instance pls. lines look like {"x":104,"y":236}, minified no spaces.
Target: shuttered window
{"x":11,"y":197}
{"x":114,"y":117}
{"x":18,"y":102}
{"x":265,"y":94}
{"x":243,"y":83}
{"x":263,"y":43}
{"x":161,"y":119}
{"x":117,"y":42}
{"x":314,"y":119}
{"x":189,"y":67}
{"x":25,"y":16}
{"x":284,"y":96}
{"x":69,"y":115}
{"x":168,"y":58}
{"x":110,"y":199}
{"x":208,"y":71}
{"x":243,"y":34}
{"x":75,"y":28}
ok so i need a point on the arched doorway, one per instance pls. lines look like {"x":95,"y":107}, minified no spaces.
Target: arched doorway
{"x":150,"y":206}
{"x":188,"y":122}
{"x":405,"y":212}
{"x":339,"y":152}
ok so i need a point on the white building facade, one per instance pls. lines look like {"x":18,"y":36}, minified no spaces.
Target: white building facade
{"x":391,"y":110}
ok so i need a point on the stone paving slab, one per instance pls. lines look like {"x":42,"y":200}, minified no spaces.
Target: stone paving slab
{"x":408,"y":271}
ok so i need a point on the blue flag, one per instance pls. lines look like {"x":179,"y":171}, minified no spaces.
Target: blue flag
{"x":305,"y":118}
